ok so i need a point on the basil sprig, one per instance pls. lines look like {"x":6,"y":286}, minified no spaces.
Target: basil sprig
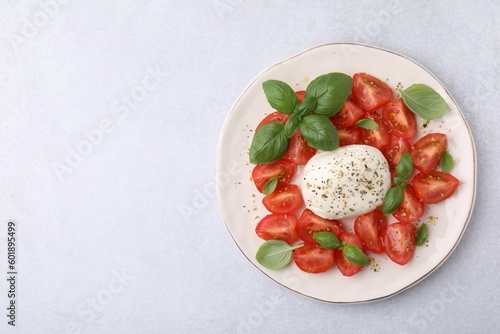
{"x":446,"y":163}
{"x":422,"y":234}
{"x":424,"y":101}
{"x":324,"y":97}
{"x":395,"y":195}
{"x":275,"y":254}
{"x":353,"y":254}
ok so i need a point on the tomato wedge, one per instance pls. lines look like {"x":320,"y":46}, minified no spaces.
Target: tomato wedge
{"x":309,"y":223}
{"x":410,"y":209}
{"x":299,"y":152}
{"x":401,"y":120}
{"x":347,"y":268}
{"x":434,"y":187}
{"x":349,"y":136}
{"x":369,"y":92}
{"x":278,"y":227}
{"x":313,"y":258}
{"x":399,"y":242}
{"x":379,"y":137}
{"x":274,"y":117}
{"x":348,"y":115}
{"x":428,"y":150}
{"x":371,"y":227}
{"x":394,"y":150}
{"x":300,"y":95}
{"x":286,"y":198}
{"x":283,"y":170}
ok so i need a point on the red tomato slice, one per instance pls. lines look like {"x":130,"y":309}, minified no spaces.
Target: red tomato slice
{"x":309,"y":223}
{"x":274,"y":117}
{"x":299,"y":152}
{"x":369,"y":92}
{"x":348,"y":115}
{"x":394,"y":150}
{"x":428,"y":150}
{"x":371,"y":227}
{"x":435,"y":187}
{"x":278,"y":227}
{"x":399,"y":242}
{"x":349,"y":136}
{"x":346,"y":267}
{"x":284,"y":199}
{"x":282,"y":169}
{"x":313,"y":258}
{"x":400,"y":119}
{"x":379,"y":137}
{"x":410,"y":209}
{"x":300,"y":95}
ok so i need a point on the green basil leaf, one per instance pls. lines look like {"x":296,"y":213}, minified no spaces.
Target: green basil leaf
{"x":422,"y":234}
{"x":404,"y":169}
{"x":275,"y":254}
{"x":319,"y":132}
{"x":398,"y":181}
{"x":270,"y":186}
{"x":424,"y":101}
{"x":354,"y":255}
{"x":392,"y":200}
{"x":327,"y":240}
{"x":292,"y":124}
{"x":269,"y":144}
{"x":446,"y":163}
{"x":307,"y":106}
{"x":367,"y":124}
{"x":280,"y":96}
{"x":330,"y":91}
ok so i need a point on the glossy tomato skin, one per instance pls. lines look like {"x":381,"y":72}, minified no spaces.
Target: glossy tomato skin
{"x":349,"y":136}
{"x":274,"y":117}
{"x":370,"y":228}
{"x":300,"y":95}
{"x":410,"y":209}
{"x":428,"y":151}
{"x":379,"y":137}
{"x":434,"y":187}
{"x":348,"y":115}
{"x":278,"y":227}
{"x":346,"y":267}
{"x":310,"y":223}
{"x":369,"y":92}
{"x":313,"y":258}
{"x":299,"y":152}
{"x":392,"y":152}
{"x":401,"y":120}
{"x":399,"y":242}
{"x":282,"y":169}
{"x":284,"y":199}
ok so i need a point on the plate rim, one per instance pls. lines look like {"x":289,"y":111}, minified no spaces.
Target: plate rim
{"x":474,"y":160}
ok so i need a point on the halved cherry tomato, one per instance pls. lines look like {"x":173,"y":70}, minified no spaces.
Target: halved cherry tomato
{"x":274,"y":117}
{"x":348,"y":115}
{"x":284,"y":199}
{"x":349,"y":136}
{"x":371,"y":227}
{"x":300,"y":95}
{"x":401,"y":120}
{"x":309,"y":223}
{"x":283,"y":170}
{"x":428,"y":150}
{"x":369,"y":92}
{"x":299,"y":152}
{"x":434,"y":187}
{"x":313,"y":258}
{"x":410,"y":209}
{"x":278,"y":227}
{"x":379,"y":137}
{"x":394,"y":150}
{"x":347,"y":268}
{"x":399,"y":242}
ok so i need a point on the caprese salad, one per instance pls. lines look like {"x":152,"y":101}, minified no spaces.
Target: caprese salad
{"x":357,"y":145}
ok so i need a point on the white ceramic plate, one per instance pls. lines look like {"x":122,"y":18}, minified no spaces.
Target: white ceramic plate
{"x":240,"y":202}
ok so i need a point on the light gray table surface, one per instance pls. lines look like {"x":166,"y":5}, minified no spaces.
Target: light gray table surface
{"x":110,"y":115}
